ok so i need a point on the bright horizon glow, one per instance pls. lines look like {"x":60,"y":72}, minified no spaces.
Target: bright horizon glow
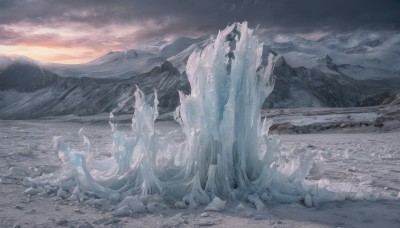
{"x":62,"y":55}
{"x":73,"y":43}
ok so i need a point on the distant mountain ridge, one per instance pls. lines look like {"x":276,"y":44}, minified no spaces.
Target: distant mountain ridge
{"x":29,"y":89}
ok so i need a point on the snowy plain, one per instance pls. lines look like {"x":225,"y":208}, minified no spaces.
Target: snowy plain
{"x":351,"y":155}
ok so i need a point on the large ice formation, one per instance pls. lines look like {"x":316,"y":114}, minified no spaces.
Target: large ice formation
{"x":227,"y":153}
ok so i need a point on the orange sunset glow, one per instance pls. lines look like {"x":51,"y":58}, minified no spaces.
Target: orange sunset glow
{"x":72,"y":44}
{"x":52,"y":54}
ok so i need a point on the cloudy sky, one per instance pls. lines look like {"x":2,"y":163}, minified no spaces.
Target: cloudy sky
{"x":75,"y":31}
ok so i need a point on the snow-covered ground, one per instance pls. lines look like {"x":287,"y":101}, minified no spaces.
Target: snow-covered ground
{"x":370,"y":160}
{"x":385,"y":118}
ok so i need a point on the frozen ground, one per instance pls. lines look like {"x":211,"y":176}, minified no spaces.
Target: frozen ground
{"x":368,"y":159}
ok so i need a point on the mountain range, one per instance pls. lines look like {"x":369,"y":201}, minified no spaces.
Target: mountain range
{"x":347,"y":70}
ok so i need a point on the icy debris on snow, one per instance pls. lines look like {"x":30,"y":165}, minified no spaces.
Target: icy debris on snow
{"x":31,"y":191}
{"x":154,"y":207}
{"x":123,"y":211}
{"x":308,"y":201}
{"x":61,"y":193}
{"x":181,"y":205}
{"x":240,"y":207}
{"x":99,"y":203}
{"x":131,"y":203}
{"x":62,"y":222}
{"x":78,"y":211}
{"x":257,"y":202}
{"x":19,"y":207}
{"x":365,"y":179}
{"x":27,"y":152}
{"x":115,"y":198}
{"x":17,"y":172}
{"x":176,"y":221}
{"x":204,"y":222}
{"x":216,"y":205}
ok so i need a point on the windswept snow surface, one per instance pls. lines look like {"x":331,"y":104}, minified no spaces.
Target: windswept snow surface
{"x":369,"y":159}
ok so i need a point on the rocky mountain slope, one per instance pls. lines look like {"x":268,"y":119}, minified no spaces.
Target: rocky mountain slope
{"x":297,"y":87}
{"x":43,"y":93}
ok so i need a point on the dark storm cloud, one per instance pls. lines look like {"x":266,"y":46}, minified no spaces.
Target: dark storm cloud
{"x":208,"y":15}
{"x":7,"y":35}
{"x":119,"y":24}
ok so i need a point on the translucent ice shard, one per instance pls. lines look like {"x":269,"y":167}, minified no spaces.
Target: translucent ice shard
{"x":131,"y":170}
{"x":221,"y":117}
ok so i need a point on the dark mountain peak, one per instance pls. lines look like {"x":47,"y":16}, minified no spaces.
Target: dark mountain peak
{"x":330,"y":64}
{"x":167,"y":66}
{"x":131,"y":54}
{"x":26,"y":77}
{"x":7,"y":61}
{"x":21,"y":66}
{"x":328,"y":60}
{"x":281,"y":61}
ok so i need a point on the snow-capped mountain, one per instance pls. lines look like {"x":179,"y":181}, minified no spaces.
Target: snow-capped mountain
{"x":322,"y":73}
{"x":132,"y":62}
{"x":362,"y":54}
